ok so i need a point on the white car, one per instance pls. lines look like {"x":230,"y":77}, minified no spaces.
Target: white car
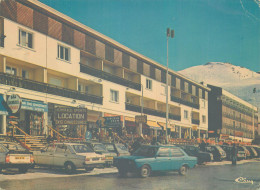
{"x":70,"y":156}
{"x":13,"y":155}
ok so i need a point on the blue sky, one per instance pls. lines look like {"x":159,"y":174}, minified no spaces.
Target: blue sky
{"x":205,"y":30}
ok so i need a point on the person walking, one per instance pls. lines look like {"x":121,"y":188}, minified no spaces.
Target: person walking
{"x":234,"y":154}
{"x":202,"y":146}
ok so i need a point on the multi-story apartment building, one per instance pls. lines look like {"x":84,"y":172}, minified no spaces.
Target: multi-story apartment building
{"x":230,"y":116}
{"x":51,"y":60}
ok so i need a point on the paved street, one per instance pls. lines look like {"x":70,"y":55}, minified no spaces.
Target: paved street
{"x":219,"y":175}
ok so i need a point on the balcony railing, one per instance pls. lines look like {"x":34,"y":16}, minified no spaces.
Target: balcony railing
{"x":148,"y":111}
{"x":110,"y":77}
{"x":12,"y":80}
{"x":195,"y":121}
{"x":184,"y":102}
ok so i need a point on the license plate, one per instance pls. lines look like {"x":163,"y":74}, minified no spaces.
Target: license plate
{"x":19,"y":157}
{"x":94,"y":159}
{"x":109,"y":158}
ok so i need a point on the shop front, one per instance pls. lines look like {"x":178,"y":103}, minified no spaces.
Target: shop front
{"x":3,"y":114}
{"x":67,"y":121}
{"x":31,"y":117}
{"x":130,"y":127}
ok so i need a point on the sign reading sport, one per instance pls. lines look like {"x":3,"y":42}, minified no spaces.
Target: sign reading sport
{"x":70,"y":116}
{"x":14,"y":103}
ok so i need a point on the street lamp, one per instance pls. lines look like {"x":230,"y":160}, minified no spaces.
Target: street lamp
{"x":170,"y":33}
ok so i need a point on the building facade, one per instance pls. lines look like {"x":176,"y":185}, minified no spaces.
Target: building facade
{"x":51,"y":60}
{"x":231,"y":117}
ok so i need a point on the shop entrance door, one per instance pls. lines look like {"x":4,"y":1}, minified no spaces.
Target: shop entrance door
{"x":34,"y":122}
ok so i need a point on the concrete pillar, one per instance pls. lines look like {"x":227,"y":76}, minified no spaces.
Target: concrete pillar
{"x":45,"y":123}
{"x":190,"y":133}
{"x":45,"y":76}
{"x":198,"y":133}
{"x":3,"y":67}
{"x":179,"y":131}
{"x":3,"y":121}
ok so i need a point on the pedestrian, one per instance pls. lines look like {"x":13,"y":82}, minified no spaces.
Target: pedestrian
{"x":234,"y":154}
{"x":202,"y":146}
{"x":154,"y":141}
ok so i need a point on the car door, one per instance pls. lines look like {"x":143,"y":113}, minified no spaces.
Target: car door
{"x":59,"y":157}
{"x":162,"y":160}
{"x":45,"y":157}
{"x":177,"y":158}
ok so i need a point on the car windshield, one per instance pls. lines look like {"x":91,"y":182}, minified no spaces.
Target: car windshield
{"x":110,"y":147}
{"x":81,"y":148}
{"x":219,"y":148}
{"x":99,"y":148}
{"x":14,"y":147}
{"x":121,"y":148}
{"x":147,"y":151}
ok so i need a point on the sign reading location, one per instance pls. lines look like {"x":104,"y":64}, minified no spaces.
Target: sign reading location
{"x":70,"y":116}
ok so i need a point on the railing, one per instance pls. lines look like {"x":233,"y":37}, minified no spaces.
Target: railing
{"x":185,"y":102}
{"x":195,"y":121}
{"x":231,"y":116}
{"x":12,"y":80}
{"x":110,"y":77}
{"x":61,"y":137}
{"x":149,"y":111}
{"x":25,"y":135}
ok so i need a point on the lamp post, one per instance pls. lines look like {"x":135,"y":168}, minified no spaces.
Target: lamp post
{"x":170,"y":33}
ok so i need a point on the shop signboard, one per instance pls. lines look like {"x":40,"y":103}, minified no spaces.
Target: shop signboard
{"x":224,"y":136}
{"x":34,"y":105}
{"x":141,"y":118}
{"x":14,"y":103}
{"x":112,"y":121}
{"x":239,"y":133}
{"x":70,"y":116}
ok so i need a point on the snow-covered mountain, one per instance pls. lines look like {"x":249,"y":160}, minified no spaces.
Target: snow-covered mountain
{"x":237,"y":80}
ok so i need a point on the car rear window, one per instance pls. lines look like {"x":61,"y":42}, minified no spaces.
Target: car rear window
{"x":121,"y":148}
{"x":14,"y":147}
{"x":146,"y":151}
{"x":110,"y":147}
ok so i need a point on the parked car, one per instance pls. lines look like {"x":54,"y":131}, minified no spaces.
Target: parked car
{"x":241,"y":155}
{"x":195,"y":151}
{"x":13,"y":155}
{"x":257,"y":149}
{"x":248,"y":154}
{"x":100,"y":148}
{"x":70,"y":156}
{"x":218,"y":153}
{"x":117,"y":148}
{"x":252,"y":151}
{"x":150,"y":158}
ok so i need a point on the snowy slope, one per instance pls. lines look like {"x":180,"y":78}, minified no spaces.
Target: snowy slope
{"x":238,"y":80}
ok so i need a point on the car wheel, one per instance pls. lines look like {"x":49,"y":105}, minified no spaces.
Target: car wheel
{"x":69,"y":167}
{"x":89,"y":169}
{"x":145,"y":171}
{"x":23,"y":170}
{"x":183,"y":170}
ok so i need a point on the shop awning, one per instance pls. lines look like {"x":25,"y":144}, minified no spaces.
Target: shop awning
{"x":130,"y":119}
{"x":163,"y":125}
{"x":153,"y":125}
{"x":3,"y":110}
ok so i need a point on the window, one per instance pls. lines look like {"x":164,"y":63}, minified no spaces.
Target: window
{"x":186,"y":114}
{"x":25,"y":74}
{"x":63,"y":53}
{"x":114,"y":96}
{"x":25,"y":38}
{"x":11,"y":70}
{"x":149,"y":84}
{"x":163,"y":152}
{"x":203,"y":119}
{"x":56,"y":82}
{"x":175,"y":152}
{"x":203,"y":104}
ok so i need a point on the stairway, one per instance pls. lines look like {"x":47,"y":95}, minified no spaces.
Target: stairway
{"x":31,"y":142}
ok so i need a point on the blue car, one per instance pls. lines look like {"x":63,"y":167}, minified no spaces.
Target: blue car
{"x":150,"y":158}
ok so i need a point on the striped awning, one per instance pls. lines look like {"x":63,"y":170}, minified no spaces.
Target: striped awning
{"x":153,"y":125}
{"x":3,"y":110}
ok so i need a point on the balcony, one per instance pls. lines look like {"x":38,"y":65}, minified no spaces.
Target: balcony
{"x":47,"y":88}
{"x":195,"y":121}
{"x":107,"y":76}
{"x":136,"y":108}
{"x":187,"y":103}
